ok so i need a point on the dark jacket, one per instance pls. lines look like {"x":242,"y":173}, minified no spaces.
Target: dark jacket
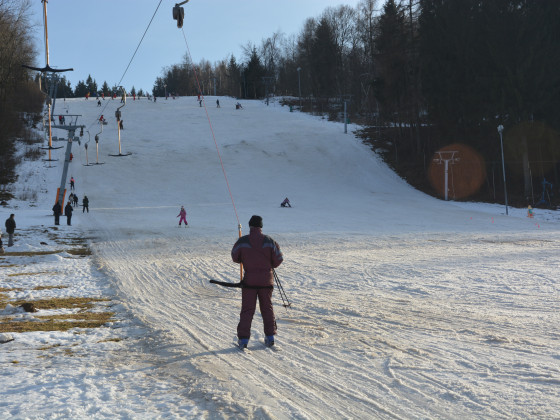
{"x":259,"y":254}
{"x":10,"y":225}
{"x":57,"y":209}
{"x":68,"y":210}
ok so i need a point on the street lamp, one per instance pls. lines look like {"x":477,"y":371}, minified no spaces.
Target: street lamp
{"x":501,"y":130}
{"x":299,"y":85}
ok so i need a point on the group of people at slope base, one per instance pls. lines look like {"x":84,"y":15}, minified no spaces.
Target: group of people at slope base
{"x":69,"y":208}
{"x":10,"y":225}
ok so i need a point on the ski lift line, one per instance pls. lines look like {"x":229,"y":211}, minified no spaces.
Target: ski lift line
{"x":213,"y":134}
{"x":132,"y":58}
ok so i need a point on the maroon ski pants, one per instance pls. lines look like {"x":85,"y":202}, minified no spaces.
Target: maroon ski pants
{"x":248,"y":306}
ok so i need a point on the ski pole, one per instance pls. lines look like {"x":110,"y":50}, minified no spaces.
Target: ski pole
{"x":286,"y":303}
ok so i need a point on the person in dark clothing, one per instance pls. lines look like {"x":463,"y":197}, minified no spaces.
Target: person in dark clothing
{"x":57,"y":211}
{"x":68,"y":212}
{"x":85,"y":204}
{"x":10,"y":229}
{"x":259,"y":254}
{"x":10,"y":225}
{"x":76,"y":199}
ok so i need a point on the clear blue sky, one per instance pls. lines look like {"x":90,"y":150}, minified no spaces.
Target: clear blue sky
{"x":98,"y":37}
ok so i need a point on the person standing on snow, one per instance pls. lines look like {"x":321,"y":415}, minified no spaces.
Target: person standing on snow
{"x":85,"y":204}
{"x":68,"y":212}
{"x":183,"y":214}
{"x":259,"y":254}
{"x":72,"y":183}
{"x":10,"y":229}
{"x":57,"y":211}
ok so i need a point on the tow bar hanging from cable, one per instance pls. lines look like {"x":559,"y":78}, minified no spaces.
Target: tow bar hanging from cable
{"x":179,"y":13}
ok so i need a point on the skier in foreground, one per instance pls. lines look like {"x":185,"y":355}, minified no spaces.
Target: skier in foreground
{"x":259,"y":254}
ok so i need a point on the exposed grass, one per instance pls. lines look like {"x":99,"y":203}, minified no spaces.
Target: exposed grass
{"x":58,"y":322}
{"x":111,"y":340}
{"x":49,"y":287}
{"x":79,"y":251}
{"x":10,"y":289}
{"x":63,"y":303}
{"x":31,"y":274}
{"x":30,"y":253}
{"x":74,"y":251}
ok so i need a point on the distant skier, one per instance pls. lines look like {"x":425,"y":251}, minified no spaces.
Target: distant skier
{"x":98,"y":102}
{"x":75,"y":200}
{"x":217,"y":103}
{"x":85,"y":204}
{"x":57,"y":211}
{"x":259,"y":254}
{"x":285,"y":203}
{"x":183,"y":214}
{"x":10,"y":229}
{"x":68,"y":212}
{"x":71,"y":183}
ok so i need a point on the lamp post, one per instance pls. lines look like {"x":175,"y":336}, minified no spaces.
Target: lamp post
{"x":501,"y":130}
{"x":299,"y":85}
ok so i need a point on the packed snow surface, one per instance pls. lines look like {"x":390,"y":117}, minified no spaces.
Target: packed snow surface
{"x":402,"y":305}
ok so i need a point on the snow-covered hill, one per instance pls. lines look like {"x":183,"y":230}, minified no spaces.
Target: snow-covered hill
{"x":403,"y":306}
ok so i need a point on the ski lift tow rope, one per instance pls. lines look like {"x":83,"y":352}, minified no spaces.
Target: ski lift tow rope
{"x":216,"y":145}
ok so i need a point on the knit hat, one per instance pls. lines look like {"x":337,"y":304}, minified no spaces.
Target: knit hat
{"x":256,"y":221}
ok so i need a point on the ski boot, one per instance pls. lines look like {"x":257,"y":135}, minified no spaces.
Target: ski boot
{"x":242,"y":342}
{"x":269,"y":340}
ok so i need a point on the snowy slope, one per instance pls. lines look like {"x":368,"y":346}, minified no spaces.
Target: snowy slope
{"x":404,"y":306}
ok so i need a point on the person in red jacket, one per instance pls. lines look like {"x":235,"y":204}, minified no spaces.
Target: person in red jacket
{"x":259,"y":254}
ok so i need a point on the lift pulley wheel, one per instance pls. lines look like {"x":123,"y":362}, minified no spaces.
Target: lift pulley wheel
{"x":179,"y":15}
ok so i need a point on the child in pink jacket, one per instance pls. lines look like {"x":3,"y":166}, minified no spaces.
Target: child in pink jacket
{"x":183,"y":214}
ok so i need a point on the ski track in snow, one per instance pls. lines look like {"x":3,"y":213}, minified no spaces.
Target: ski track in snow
{"x":412,"y":337}
{"x":403,"y":306}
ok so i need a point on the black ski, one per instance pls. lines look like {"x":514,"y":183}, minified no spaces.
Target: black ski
{"x":226,"y":283}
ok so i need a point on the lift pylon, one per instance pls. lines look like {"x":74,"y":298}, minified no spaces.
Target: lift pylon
{"x":118,"y":117}
{"x":54,"y":80}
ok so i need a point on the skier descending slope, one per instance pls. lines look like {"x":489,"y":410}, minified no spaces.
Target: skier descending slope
{"x":259,"y":254}
{"x":183,"y":214}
